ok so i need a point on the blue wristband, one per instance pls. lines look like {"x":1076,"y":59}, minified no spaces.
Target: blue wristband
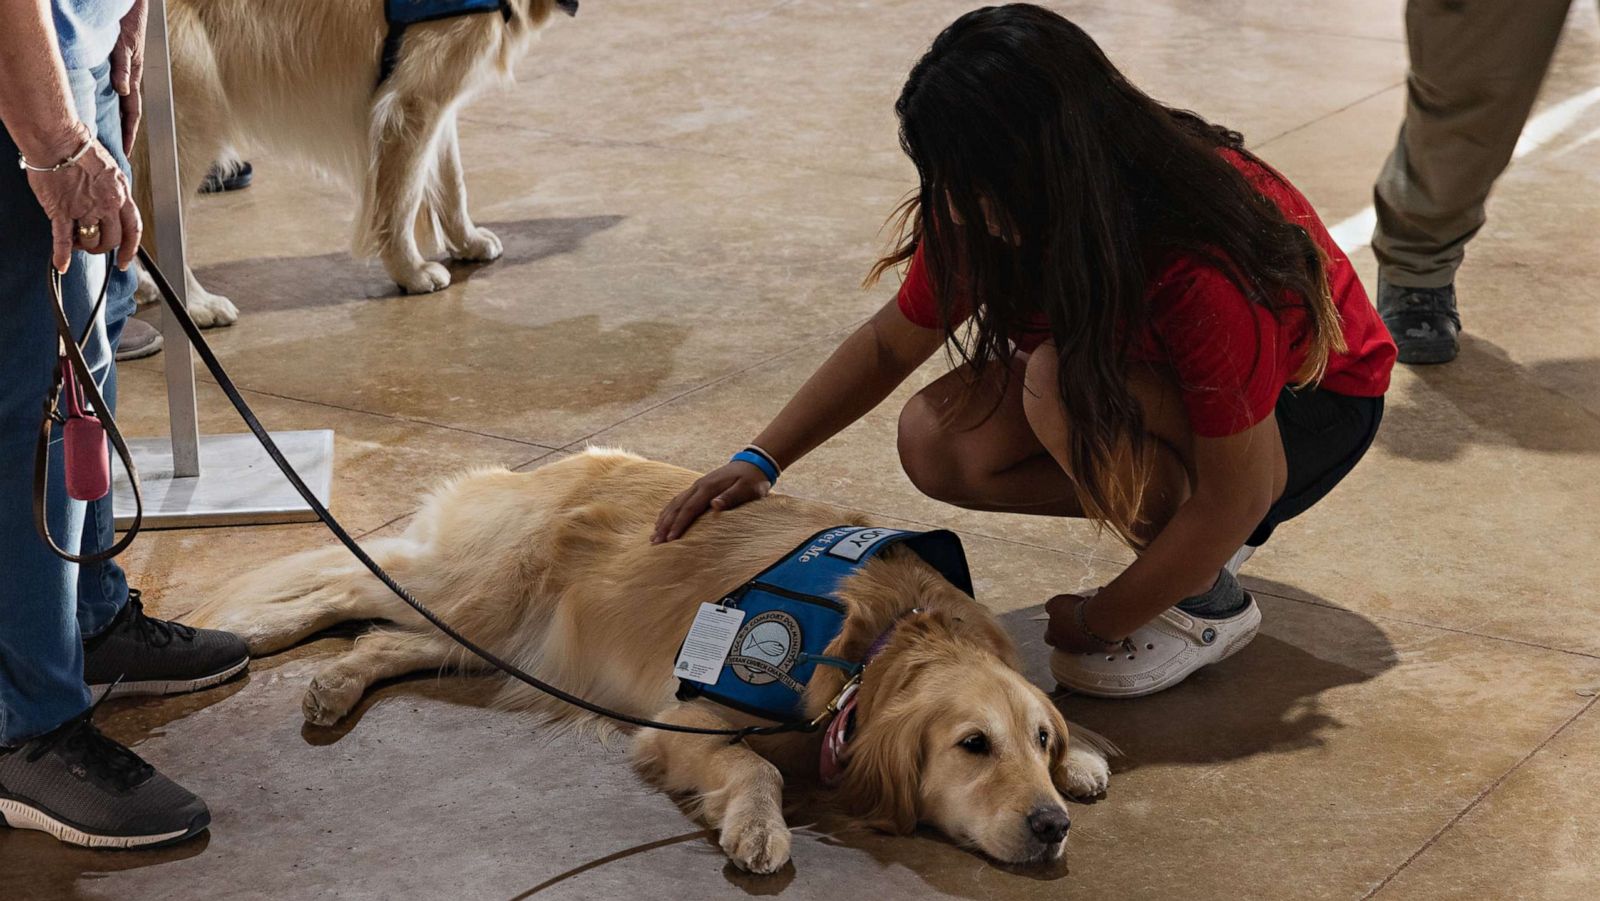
{"x":767,"y":467}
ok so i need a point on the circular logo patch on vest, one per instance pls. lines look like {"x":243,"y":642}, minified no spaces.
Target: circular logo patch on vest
{"x":765,"y":648}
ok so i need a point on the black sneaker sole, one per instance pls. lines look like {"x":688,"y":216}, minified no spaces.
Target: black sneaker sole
{"x":20,"y":814}
{"x":1418,"y":353}
{"x":152,"y":687}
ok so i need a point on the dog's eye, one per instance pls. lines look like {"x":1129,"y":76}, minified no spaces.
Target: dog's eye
{"x":976,"y":743}
{"x":1044,"y":739}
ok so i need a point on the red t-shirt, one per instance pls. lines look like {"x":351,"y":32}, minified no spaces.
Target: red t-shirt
{"x":1231,"y":357}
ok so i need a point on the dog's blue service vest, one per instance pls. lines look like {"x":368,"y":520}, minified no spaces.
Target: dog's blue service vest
{"x":410,"y":12}
{"x":791,"y":615}
{"x":400,"y":13}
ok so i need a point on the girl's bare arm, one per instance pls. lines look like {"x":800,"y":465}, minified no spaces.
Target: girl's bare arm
{"x":864,"y":370}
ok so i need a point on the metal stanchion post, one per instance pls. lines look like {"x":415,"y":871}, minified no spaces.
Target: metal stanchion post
{"x":190,"y":479}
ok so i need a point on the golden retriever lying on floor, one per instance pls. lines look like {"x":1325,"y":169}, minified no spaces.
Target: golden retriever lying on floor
{"x":299,"y":78}
{"x":554,"y":570}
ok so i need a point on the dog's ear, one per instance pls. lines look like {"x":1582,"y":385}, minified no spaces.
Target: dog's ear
{"x":883,"y":776}
{"x":883,"y":767}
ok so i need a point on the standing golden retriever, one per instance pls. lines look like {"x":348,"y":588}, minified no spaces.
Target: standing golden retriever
{"x":554,"y":570}
{"x":299,"y":78}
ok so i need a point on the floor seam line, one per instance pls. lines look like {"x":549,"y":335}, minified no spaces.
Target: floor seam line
{"x":1259,"y":26}
{"x":391,"y":417}
{"x":1478,"y":799}
{"x":1426,"y":625}
{"x":647,"y":144}
{"x":710,"y":384}
{"x":360,"y":535}
{"x":1303,"y":126}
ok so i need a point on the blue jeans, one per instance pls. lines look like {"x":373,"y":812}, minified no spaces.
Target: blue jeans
{"x":47,"y":605}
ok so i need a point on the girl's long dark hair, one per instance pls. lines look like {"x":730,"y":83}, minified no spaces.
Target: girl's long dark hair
{"x":1015,"y":117}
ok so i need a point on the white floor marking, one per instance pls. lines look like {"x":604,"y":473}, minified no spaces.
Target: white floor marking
{"x":1355,"y":232}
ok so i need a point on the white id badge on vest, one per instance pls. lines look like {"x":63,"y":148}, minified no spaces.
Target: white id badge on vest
{"x":710,"y":638}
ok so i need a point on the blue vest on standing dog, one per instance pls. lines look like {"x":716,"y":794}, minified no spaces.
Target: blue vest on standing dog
{"x":792,"y":614}
{"x":410,"y":12}
{"x":401,"y":13}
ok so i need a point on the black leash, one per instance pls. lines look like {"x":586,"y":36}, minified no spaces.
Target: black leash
{"x":223,"y":381}
{"x":73,"y":376}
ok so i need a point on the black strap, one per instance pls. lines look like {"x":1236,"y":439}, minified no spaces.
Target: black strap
{"x":390,"y":57}
{"x":72,"y":355}
{"x":232,"y":391}
{"x":391,"y":51}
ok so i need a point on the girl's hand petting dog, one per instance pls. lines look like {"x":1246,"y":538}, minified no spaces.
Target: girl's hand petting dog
{"x":732,"y":484}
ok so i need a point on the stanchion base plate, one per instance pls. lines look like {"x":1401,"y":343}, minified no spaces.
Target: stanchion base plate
{"x":238,"y":483}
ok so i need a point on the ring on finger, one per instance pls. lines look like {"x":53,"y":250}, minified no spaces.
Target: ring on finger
{"x":89,"y":231}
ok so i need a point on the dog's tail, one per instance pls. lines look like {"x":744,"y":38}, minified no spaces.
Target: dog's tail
{"x":283,"y":602}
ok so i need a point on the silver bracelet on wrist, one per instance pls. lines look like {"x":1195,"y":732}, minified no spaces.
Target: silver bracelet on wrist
{"x":22,"y":161}
{"x":1082,"y":617}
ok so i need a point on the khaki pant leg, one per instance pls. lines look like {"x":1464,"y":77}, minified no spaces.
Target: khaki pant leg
{"x":1476,"y":66}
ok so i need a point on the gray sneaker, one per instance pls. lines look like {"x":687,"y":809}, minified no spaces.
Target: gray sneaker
{"x":139,"y":339}
{"x":156,"y":657}
{"x":86,"y":789}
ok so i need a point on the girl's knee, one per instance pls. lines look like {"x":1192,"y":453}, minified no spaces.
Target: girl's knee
{"x":924,"y":449}
{"x":1041,"y":401}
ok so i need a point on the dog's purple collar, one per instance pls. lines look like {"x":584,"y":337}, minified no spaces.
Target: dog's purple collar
{"x":836,"y":738}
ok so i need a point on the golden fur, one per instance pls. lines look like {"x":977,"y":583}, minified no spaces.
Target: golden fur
{"x":554,"y":570}
{"x":298,"y":79}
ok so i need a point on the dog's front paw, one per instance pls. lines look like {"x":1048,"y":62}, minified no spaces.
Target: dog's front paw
{"x":1087,"y":773}
{"x":211,"y":310}
{"x":146,"y":292}
{"x":756,"y":842}
{"x":480,"y":247}
{"x":425,"y":279}
{"x":329,"y":698}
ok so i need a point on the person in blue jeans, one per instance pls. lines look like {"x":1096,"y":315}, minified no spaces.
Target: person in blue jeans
{"x":69,"y":101}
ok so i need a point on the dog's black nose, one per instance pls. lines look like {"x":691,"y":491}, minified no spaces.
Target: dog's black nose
{"x":1049,"y":824}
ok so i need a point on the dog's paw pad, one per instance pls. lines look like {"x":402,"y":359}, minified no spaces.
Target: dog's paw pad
{"x":480,"y":247}
{"x":1087,"y":774}
{"x":758,"y":846}
{"x":425,"y":279}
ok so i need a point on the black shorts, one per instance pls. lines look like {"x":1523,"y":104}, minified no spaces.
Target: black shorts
{"x":1324,"y":436}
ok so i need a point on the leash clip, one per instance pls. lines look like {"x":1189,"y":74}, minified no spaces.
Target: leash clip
{"x":839,"y":700}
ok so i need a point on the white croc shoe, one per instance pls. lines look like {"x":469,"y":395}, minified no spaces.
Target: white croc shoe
{"x":1158,"y":655}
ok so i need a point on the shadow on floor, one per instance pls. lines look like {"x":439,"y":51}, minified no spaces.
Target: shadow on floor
{"x":1264,"y":700}
{"x":1484,"y":398}
{"x":264,"y":284}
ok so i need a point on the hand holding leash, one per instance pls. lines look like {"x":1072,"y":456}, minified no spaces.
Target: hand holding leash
{"x":88,"y":200}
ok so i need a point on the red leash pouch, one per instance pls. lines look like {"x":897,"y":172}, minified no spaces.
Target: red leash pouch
{"x":83,"y":440}
{"x":88,"y":432}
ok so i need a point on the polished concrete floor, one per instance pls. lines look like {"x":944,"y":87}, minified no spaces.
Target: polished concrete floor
{"x":689,"y":195}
